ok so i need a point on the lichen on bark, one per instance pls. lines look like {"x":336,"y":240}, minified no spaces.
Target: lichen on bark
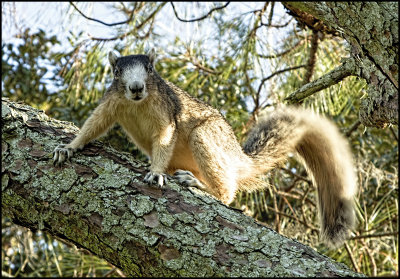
{"x":99,"y":202}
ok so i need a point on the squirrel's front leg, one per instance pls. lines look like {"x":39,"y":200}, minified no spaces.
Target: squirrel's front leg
{"x":97,"y":124}
{"x":162,"y":150}
{"x":63,"y":152}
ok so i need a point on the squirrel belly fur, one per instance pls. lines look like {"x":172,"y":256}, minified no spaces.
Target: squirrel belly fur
{"x":187,"y":137}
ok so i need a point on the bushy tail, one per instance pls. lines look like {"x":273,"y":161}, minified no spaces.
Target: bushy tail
{"x":327,"y":157}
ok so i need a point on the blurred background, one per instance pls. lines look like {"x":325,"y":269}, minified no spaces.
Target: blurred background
{"x":242,"y":58}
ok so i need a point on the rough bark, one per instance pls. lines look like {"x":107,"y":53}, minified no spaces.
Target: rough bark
{"x":371,"y":29}
{"x":98,"y":202}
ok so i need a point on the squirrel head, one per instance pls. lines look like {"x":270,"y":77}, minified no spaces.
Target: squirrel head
{"x":131,"y":74}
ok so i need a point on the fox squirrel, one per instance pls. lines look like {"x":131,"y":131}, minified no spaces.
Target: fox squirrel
{"x":188,"y":138}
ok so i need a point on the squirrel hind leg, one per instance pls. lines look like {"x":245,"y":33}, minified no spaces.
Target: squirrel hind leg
{"x":187,"y":178}
{"x":219,"y":180}
{"x":219,"y":158}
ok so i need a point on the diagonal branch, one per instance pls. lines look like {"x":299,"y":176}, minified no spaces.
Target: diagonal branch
{"x":99,"y":202}
{"x":277,"y":73}
{"x":102,"y":22}
{"x":200,"y":18}
{"x":283,"y":53}
{"x":136,"y":28}
{"x":348,"y":68}
{"x":374,"y":48}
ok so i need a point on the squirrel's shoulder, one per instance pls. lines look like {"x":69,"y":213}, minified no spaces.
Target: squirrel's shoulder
{"x":186,"y":97}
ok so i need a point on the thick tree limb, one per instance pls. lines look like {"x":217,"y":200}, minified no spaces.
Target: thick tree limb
{"x":371,"y":29}
{"x":98,"y":202}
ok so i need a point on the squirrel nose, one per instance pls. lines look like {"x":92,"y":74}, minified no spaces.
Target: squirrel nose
{"x":136,"y":87}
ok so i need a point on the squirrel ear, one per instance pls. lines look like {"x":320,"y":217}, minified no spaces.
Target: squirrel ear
{"x":152,"y":55}
{"x":112,"y":58}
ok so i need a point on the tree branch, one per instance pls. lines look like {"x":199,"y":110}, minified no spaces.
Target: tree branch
{"x":139,"y":26}
{"x":99,"y":21}
{"x":193,"y":59}
{"x":375,"y":235}
{"x":200,"y":18}
{"x":277,"y":73}
{"x":331,"y":78}
{"x":312,"y":58}
{"x":271,"y":13}
{"x":278,"y":25}
{"x":374,"y":48}
{"x":304,"y":18}
{"x":99,"y":202}
{"x":283,"y":53}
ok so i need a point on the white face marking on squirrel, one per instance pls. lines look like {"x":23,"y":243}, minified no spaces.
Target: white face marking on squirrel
{"x":134,"y":77}
{"x":131,"y":74}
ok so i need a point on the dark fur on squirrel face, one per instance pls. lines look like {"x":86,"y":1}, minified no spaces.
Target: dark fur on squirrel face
{"x":132,"y":72}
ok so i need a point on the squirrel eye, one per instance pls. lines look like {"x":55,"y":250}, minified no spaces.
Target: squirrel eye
{"x":116,"y":72}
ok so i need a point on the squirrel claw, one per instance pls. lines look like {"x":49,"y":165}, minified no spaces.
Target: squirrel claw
{"x":62,"y":154}
{"x":187,"y":178}
{"x":156,"y":178}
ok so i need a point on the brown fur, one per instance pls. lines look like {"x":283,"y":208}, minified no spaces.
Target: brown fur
{"x":326,"y":155}
{"x":180,"y":132}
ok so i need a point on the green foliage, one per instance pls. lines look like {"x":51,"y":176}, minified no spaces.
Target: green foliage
{"x":214,"y":81}
{"x":26,"y":68}
{"x":36,"y":254}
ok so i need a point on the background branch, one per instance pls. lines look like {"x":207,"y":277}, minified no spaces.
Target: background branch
{"x":200,"y":18}
{"x":333,"y":77}
{"x":375,"y":58}
{"x":277,"y":73}
{"x":136,"y":28}
{"x":100,"y":21}
{"x":283,"y":53}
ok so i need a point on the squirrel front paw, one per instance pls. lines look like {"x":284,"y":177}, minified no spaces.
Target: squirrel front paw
{"x":61,"y":154}
{"x":156,"y":178}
